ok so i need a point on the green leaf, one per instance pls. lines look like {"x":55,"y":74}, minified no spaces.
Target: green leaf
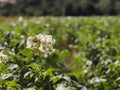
{"x":49,"y":72}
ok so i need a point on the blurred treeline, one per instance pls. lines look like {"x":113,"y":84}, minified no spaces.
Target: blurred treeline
{"x":60,"y":7}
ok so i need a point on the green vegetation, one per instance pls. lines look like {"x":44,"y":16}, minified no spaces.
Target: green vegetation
{"x":87,"y":53}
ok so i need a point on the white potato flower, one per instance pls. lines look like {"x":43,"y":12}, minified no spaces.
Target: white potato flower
{"x":31,"y":43}
{"x":20,"y":19}
{"x":3,"y":56}
{"x":44,"y":43}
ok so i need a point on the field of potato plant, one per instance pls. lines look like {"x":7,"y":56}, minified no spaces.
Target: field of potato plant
{"x":60,"y":53}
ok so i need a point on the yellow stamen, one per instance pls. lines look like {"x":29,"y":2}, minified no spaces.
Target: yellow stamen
{"x":1,"y":57}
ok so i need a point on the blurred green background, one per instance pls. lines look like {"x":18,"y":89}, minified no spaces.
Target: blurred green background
{"x":59,"y":7}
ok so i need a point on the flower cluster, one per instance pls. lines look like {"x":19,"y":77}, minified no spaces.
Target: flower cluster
{"x":3,"y":56}
{"x":44,"y":43}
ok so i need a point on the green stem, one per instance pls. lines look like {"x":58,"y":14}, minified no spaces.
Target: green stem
{"x":41,"y":73}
